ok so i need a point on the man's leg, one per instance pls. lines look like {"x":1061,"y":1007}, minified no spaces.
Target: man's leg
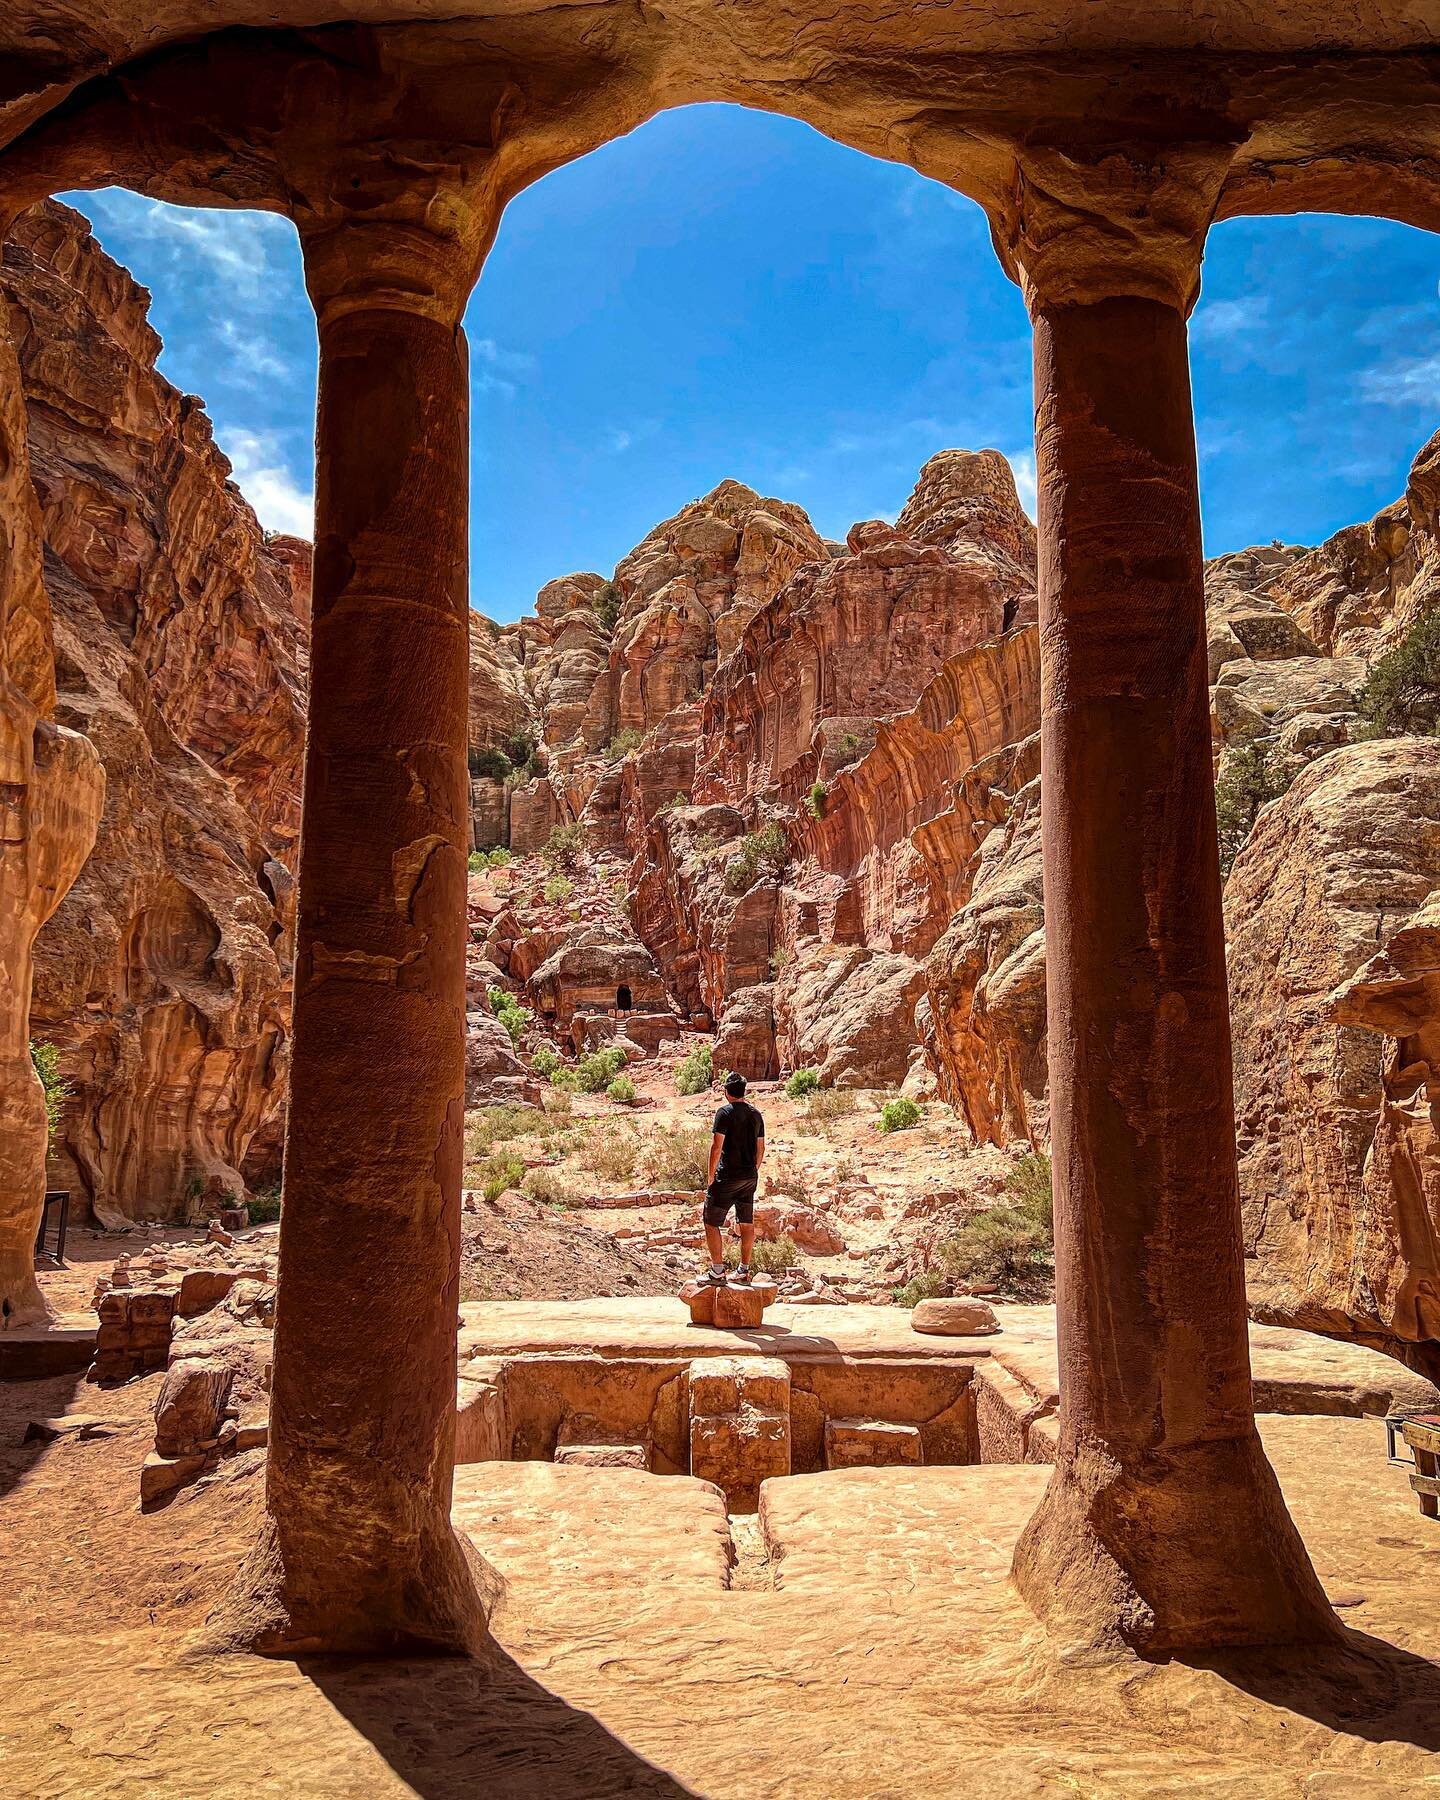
{"x":747,"y":1242}
{"x":716,"y":1244}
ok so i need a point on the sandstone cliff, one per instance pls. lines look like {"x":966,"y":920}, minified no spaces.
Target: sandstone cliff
{"x":179,"y":634}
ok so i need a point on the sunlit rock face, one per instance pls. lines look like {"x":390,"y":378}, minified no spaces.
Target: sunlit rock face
{"x":1333,"y":946}
{"x":180,"y":638}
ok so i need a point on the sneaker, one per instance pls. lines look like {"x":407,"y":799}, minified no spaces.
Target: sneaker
{"x":713,"y":1278}
{"x":742,"y":1275}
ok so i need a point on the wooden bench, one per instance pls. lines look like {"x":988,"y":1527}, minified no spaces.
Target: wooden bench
{"x":1422,"y":1434}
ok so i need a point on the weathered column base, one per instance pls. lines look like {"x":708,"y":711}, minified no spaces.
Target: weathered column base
{"x":432,"y":1597}
{"x":1195,"y":1553}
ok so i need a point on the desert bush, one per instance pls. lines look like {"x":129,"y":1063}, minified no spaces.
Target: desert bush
{"x":676,"y":799}
{"x":608,"y":1153}
{"x":565,"y":1081}
{"x":596,"y":1071}
{"x":760,"y":853}
{"x":1030,"y":1184}
{"x":562,"y":847}
{"x":546,"y":1186}
{"x":622,"y":1090}
{"x":1251,"y":775}
{"x":677,"y":1160}
{"x":494,"y":1174}
{"x":511,"y":1014}
{"x":815,"y":800}
{"x":520,"y":748}
{"x":490,"y":764}
{"x":493,"y":1125}
{"x":46,"y":1059}
{"x":830,"y":1104}
{"x":899,"y":1114}
{"x":557,"y":1103}
{"x":606,"y":605}
{"x":1401,"y":695}
{"x":476,"y":862}
{"x":769,"y":1257}
{"x":694,"y":1072}
{"x":779,"y":959}
{"x":545,"y":1061}
{"x":802,"y":1082}
{"x":559,"y":890}
{"x":264,"y":1205}
{"x":496,"y":857}
{"x":928,"y":1285}
{"x":623,"y":742}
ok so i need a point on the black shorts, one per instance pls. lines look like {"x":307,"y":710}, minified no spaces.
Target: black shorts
{"x":735,"y":1190}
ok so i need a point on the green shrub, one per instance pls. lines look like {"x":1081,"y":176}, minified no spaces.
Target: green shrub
{"x":1401,"y":695}
{"x":496,"y":1174}
{"x":490,"y":764}
{"x":546,"y":1186}
{"x":815,"y":800}
{"x":928,"y":1285}
{"x":769,"y":1257}
{"x":802,"y":1082}
{"x":559,"y":890}
{"x":46,"y":1059}
{"x":562,"y":847}
{"x":678,"y":1160}
{"x":694,"y":1072}
{"x":497,"y":857}
{"x":1030,"y":1183}
{"x":899,"y":1114}
{"x":264,"y":1205}
{"x":624,"y":742}
{"x":511,"y":1014}
{"x":608,"y":1153}
{"x":596,"y":1071}
{"x":520,"y":749}
{"x":830,"y":1103}
{"x":476,"y":862}
{"x":1251,"y":775}
{"x":556,"y":1099}
{"x":565,"y":1081}
{"x":676,"y":799}
{"x":849,"y":743}
{"x":779,"y":960}
{"x":622,"y":1089}
{"x":760,"y":853}
{"x":606,"y":605}
{"x":492,"y":1125}
{"x":545,"y":1061}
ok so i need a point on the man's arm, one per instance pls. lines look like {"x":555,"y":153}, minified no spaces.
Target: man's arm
{"x":759,"y":1144}
{"x":717,"y":1144}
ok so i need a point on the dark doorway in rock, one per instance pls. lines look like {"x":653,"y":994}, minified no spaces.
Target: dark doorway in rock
{"x":622,"y":999}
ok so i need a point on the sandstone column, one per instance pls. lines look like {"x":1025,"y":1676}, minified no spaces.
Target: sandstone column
{"x":52,"y":790}
{"x":1163,"y":1525}
{"x":359,"y":1554}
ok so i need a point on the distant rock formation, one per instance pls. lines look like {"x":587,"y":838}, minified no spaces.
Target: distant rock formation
{"x":180,"y":637}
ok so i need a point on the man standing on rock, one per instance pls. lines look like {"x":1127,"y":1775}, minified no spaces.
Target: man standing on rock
{"x":737,"y":1149}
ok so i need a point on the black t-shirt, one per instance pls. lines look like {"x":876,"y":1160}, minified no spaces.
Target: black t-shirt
{"x":741,"y":1126}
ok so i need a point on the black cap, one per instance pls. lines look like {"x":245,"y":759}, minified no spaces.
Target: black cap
{"x":735,"y":1086}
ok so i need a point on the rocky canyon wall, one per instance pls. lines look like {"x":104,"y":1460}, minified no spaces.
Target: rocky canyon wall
{"x":180,"y":634}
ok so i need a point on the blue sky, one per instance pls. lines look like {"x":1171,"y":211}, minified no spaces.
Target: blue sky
{"x":729,"y":294}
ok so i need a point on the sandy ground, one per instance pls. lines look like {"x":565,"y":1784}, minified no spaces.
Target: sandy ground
{"x":867,"y":1643}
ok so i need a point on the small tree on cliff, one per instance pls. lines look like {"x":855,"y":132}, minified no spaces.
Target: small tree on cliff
{"x":1251,"y":775}
{"x":1401,"y":695}
{"x":46,"y":1059}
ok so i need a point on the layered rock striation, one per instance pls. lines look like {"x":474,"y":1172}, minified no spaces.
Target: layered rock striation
{"x":180,"y":639}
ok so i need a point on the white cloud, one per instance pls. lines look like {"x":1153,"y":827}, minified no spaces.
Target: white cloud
{"x":259,"y":465}
{"x":620,"y":442}
{"x":254,"y":359}
{"x":233,"y":245}
{"x":1222,"y":321}
{"x":1409,"y":381}
{"x":1022,"y":466}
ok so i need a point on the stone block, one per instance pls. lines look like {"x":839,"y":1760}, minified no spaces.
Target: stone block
{"x":152,"y":1306}
{"x":191,"y":1405}
{"x":954,"y":1318}
{"x":722,"y":1384}
{"x":114,"y":1334}
{"x":200,"y":1289}
{"x":737,"y":1451}
{"x":602,"y":1456}
{"x":114,"y":1309}
{"x":161,"y":1475}
{"x":252,"y":1436}
{"x":871,"y":1444}
{"x":733,"y":1308}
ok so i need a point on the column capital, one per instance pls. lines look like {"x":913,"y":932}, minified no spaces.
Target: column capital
{"x":1103,"y":221}
{"x":380,"y":235}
